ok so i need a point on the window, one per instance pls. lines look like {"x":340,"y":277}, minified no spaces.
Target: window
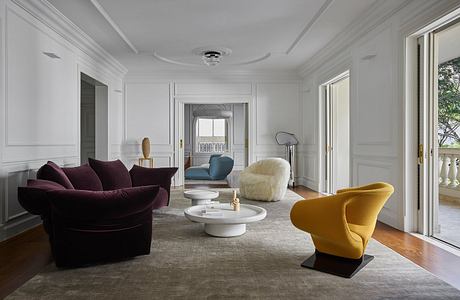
{"x":211,"y":135}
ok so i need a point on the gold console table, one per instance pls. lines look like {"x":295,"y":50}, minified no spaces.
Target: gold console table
{"x":142,"y":159}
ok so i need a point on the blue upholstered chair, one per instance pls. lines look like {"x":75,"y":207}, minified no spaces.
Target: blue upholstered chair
{"x":219,"y":167}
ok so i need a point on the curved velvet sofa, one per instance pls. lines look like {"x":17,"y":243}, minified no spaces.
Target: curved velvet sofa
{"x":98,"y":212}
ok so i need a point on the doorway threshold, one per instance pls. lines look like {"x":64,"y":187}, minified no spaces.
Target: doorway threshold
{"x":447,"y":247}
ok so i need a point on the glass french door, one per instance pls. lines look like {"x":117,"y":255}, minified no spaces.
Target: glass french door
{"x":439,"y":134}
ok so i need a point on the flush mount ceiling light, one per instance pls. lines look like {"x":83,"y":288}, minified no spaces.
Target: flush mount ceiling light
{"x":212,"y":55}
{"x":211,"y":58}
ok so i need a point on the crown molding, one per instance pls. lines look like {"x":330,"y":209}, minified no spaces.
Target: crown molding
{"x":212,"y":76}
{"x":310,"y":24}
{"x":378,"y":13}
{"x":46,"y":13}
{"x":424,"y":15}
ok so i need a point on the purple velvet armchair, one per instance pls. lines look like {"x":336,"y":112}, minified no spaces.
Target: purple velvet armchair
{"x":98,"y":212}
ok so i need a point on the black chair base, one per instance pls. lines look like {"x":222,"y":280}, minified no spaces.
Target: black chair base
{"x":336,"y":265}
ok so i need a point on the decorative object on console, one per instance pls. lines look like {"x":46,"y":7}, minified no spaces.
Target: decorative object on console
{"x":236,"y":204}
{"x":265,"y":180}
{"x":146,"y":153}
{"x":289,"y":141}
{"x":341,"y":226}
{"x":91,"y":222}
{"x":146,"y":147}
{"x":233,"y":198}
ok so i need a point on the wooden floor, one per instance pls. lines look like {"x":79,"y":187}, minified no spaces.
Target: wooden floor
{"x":21,"y":257}
{"x":28,"y":253}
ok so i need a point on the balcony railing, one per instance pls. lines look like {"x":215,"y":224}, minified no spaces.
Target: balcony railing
{"x":210,"y":147}
{"x":449,"y":172}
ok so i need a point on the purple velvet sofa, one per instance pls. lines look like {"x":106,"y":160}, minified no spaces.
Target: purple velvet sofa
{"x":98,"y":212}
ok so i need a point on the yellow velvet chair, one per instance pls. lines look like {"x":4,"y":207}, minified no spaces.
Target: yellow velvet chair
{"x":341,"y":226}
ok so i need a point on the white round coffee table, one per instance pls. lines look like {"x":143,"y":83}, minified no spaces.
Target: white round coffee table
{"x":199,"y":197}
{"x":229,"y":223}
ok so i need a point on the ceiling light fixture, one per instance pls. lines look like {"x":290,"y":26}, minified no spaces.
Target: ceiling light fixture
{"x":212,"y":56}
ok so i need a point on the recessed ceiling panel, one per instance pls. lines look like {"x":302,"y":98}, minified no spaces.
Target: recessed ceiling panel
{"x":249,"y":28}
{"x":265,"y":34}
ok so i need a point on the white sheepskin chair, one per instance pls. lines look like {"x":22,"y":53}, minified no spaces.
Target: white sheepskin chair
{"x":265,"y":180}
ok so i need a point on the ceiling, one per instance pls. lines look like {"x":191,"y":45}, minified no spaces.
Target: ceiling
{"x":276,"y":35}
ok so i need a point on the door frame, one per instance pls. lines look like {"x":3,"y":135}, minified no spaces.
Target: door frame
{"x":421,"y":178}
{"x":325,"y":125}
{"x":180,"y":101}
{"x":104,"y":95}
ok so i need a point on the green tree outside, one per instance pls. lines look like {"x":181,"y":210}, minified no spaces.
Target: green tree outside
{"x":449,"y":103}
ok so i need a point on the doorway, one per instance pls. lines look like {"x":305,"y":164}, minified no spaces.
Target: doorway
{"x":336,"y":103}
{"x":94,"y":123}
{"x":210,"y":131}
{"x":238,"y":145}
{"x":439,"y":133}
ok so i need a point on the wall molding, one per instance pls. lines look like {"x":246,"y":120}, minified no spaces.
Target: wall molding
{"x":46,"y":13}
{"x":377,"y":14}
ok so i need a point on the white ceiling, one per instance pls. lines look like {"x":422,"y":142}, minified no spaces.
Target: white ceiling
{"x":288,"y":32}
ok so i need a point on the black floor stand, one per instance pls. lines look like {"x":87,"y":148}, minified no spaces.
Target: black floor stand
{"x":340,"y":266}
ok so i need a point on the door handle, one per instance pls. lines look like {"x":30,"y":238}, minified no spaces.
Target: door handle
{"x":420,"y":154}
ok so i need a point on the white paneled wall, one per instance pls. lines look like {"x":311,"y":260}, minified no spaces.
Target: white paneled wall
{"x":375,"y":58}
{"x":148,"y":113}
{"x":149,"y":103}
{"x":40,"y":108}
{"x":275,"y":110}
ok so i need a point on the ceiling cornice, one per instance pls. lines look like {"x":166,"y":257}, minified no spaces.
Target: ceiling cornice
{"x":215,"y":76}
{"x":114,"y":25}
{"x":374,"y":16}
{"x":46,"y":13}
{"x":310,"y":24}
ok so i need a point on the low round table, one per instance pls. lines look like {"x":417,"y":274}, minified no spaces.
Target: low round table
{"x":229,"y":223}
{"x":199,"y":197}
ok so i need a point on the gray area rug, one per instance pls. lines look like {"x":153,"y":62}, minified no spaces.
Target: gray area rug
{"x":185,"y":263}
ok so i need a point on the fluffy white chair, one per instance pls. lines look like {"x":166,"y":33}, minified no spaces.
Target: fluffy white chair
{"x":265,"y":180}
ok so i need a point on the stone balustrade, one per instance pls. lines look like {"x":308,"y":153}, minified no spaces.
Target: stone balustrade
{"x":449,"y":172}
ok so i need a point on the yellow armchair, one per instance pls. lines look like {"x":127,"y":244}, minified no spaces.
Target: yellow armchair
{"x":341,"y":226}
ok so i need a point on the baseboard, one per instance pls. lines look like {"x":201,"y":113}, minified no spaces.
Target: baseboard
{"x":307,"y":183}
{"x":12,"y":229}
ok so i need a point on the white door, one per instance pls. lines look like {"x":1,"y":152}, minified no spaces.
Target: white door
{"x":337,"y":133}
{"x":180,"y":141}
